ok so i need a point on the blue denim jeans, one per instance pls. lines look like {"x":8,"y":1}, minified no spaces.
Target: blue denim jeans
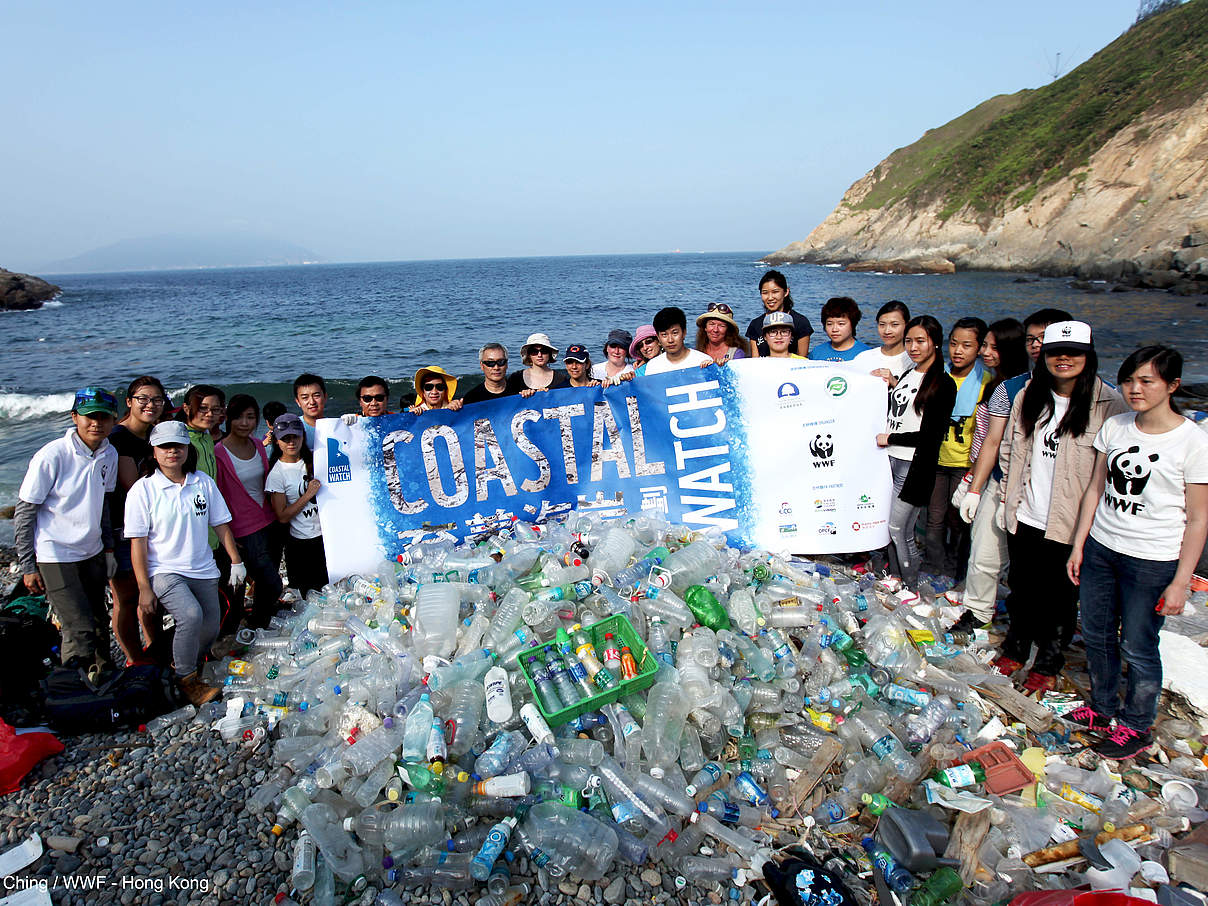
{"x":1119,"y":594}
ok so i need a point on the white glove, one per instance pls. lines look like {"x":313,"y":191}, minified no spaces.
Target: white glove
{"x":350,"y":418}
{"x":1000,"y":517}
{"x":969,"y":506}
{"x":110,"y":565}
{"x":238,"y":574}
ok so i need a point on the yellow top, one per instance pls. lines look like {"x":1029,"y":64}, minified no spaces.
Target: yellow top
{"x":958,"y":439}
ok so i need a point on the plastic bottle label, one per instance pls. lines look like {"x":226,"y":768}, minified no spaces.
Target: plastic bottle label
{"x":959,"y":775}
{"x":883,"y":747}
{"x":835,"y":811}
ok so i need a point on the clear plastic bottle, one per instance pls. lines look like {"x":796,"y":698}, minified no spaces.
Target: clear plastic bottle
{"x":565,"y":841}
{"x":467,"y":667}
{"x":501,"y":752}
{"x":171,"y":719}
{"x":492,"y":848}
{"x":547,"y":692}
{"x":666,"y":711}
{"x":435,"y":619}
{"x":416,"y":729}
{"x":339,"y":849}
{"x":610,"y":554}
{"x":463,"y":716}
{"x":302,"y":874}
{"x":690,"y":565}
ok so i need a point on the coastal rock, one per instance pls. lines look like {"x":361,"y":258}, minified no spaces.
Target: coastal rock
{"x":930,"y":265}
{"x":21,"y":292}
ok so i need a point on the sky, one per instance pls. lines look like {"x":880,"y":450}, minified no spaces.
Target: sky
{"x":401,"y":130}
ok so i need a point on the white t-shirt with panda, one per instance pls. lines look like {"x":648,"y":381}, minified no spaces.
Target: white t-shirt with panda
{"x":1143,"y":510}
{"x":872,"y":359}
{"x":289,"y":478}
{"x":1038,"y":494}
{"x":902,"y":418}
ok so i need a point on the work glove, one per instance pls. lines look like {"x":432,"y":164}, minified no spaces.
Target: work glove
{"x":350,"y":418}
{"x":110,"y":565}
{"x":969,"y":506}
{"x":238,"y":574}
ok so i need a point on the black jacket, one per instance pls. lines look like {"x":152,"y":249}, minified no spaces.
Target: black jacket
{"x":920,"y":480}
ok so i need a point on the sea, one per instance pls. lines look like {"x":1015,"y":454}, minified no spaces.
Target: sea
{"x":253,"y":330}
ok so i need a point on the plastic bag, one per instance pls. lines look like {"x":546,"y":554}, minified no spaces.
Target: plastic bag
{"x":19,"y":753}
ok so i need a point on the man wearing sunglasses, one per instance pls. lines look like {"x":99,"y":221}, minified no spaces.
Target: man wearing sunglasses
{"x":373,"y":393}
{"x":493,"y":359}
{"x":62,"y":531}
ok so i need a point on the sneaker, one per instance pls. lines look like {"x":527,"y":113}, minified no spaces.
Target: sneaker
{"x":1039,"y":682}
{"x":966,"y":624}
{"x":1090,"y":719}
{"x":1124,"y":742}
{"x":196,"y":691}
{"x":1006,"y":666}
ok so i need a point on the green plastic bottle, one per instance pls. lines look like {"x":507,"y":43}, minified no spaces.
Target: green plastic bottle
{"x":961,"y":775}
{"x":941,"y":887}
{"x":706,"y":608}
{"x":876,"y":803}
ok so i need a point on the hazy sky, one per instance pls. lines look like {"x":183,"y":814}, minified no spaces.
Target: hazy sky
{"x":401,"y":130}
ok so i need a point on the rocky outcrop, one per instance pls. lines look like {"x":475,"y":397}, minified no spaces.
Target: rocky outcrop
{"x":21,"y":292}
{"x":903,"y":266}
{"x":1138,"y":211}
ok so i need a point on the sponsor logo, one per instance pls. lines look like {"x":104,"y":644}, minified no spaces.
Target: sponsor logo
{"x":1128,"y":472}
{"x":865,"y":502}
{"x":788,"y":388}
{"x":836,"y":386}
{"x":822,"y":447}
{"x":338,"y":466}
{"x":825,"y":505}
{"x":1066,"y":330}
{"x":828,"y":528}
{"x":788,"y":528}
{"x":786,"y":508}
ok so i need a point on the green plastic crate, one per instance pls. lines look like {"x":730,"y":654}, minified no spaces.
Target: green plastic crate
{"x":622,"y":630}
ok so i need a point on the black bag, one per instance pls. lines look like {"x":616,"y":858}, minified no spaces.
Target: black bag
{"x":119,"y":700}
{"x":29,"y":647}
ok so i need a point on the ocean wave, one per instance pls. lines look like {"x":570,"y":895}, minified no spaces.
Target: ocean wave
{"x":14,"y":406}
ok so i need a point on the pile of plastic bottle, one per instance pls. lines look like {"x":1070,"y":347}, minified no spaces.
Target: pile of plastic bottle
{"x":434,"y":721}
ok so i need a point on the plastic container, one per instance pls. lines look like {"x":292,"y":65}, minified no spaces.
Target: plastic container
{"x":623,"y":631}
{"x":1005,"y":773}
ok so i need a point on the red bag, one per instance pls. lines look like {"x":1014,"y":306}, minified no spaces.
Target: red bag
{"x":19,"y":753}
{"x":1076,"y":898}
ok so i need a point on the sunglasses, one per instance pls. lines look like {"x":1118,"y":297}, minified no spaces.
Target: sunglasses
{"x":373,"y":397}
{"x":494,"y":363}
{"x":434,"y":385}
{"x":720,"y":306}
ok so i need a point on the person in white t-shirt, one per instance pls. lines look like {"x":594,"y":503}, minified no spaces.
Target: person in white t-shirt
{"x":62,"y":531}
{"x":671,"y":325}
{"x":1141,"y":528}
{"x":292,"y":487}
{"x":889,"y":361}
{"x":169,"y":514}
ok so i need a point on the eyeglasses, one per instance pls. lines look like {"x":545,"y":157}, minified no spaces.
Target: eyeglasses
{"x":210,"y":410}
{"x":149,"y":400}
{"x":494,"y":363}
{"x":373,"y":397}
{"x":435,"y":385}
{"x":720,"y":306}
{"x":1034,"y":341}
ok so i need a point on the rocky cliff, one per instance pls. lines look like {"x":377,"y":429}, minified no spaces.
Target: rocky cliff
{"x":1103,"y":173}
{"x":21,"y":292}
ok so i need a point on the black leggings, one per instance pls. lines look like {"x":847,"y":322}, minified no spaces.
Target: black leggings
{"x":1043,"y":603}
{"x":305,"y":563}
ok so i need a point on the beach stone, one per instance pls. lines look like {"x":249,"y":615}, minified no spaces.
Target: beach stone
{"x":584,"y":893}
{"x":614,"y":893}
{"x":63,"y":844}
{"x":81,"y":820}
{"x":282,"y":860}
{"x":220,"y":877}
{"x":568,"y":887}
{"x":651,"y":878}
{"x":714,"y":897}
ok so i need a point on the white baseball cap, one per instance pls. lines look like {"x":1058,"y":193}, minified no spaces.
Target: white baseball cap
{"x":1068,"y":336}
{"x":169,"y":433}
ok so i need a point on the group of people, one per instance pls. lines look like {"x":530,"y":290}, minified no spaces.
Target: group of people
{"x":1018,"y":455}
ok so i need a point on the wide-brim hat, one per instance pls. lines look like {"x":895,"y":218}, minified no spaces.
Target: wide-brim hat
{"x":418,"y":381}
{"x":538,"y":339}
{"x":1067,"y":336}
{"x":645,"y":332}
{"x":716,"y":314}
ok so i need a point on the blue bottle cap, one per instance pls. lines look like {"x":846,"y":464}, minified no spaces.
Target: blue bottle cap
{"x":387,"y":862}
{"x":702,"y":807}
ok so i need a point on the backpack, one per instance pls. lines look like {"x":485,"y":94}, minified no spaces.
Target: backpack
{"x":119,"y":700}
{"x":29,"y":646}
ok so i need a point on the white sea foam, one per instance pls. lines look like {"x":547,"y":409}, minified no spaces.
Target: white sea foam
{"x":17,"y":406}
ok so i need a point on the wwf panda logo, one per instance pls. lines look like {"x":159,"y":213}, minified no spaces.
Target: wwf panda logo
{"x":899,"y":401}
{"x":1128,"y":471}
{"x":822,"y":447}
{"x":199,"y":505}
{"x":1051,"y":442}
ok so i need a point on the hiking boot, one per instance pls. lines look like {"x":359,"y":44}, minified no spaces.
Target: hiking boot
{"x":196,"y":691}
{"x":1124,"y":742}
{"x":1006,"y":666}
{"x":1039,"y":682}
{"x":966,"y":624}
{"x":1090,"y":719}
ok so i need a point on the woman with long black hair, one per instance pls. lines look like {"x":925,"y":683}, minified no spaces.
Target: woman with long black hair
{"x":1046,"y":456}
{"x":919,"y":408}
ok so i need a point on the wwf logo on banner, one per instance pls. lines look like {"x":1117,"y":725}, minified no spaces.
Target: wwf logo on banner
{"x":338,"y":466}
{"x":200,"y":504}
{"x":822,"y":447}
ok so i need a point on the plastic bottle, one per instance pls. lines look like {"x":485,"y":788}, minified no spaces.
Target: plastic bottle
{"x":463,"y":716}
{"x":416,"y":729}
{"x":467,"y":667}
{"x":567,"y":691}
{"x":435,"y":617}
{"x":302,"y":875}
{"x":961,"y":775}
{"x":706,"y":608}
{"x":610,"y":554}
{"x":536,"y":725}
{"x":171,"y":719}
{"x":689,"y":565}
{"x":492,"y":847}
{"x":547,"y":692}
{"x":339,"y":850}
{"x":898,"y":878}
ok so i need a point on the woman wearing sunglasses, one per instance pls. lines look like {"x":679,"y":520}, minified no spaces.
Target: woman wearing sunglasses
{"x":774,"y":291}
{"x":538,"y":354}
{"x":434,"y":389}
{"x":717,"y":334}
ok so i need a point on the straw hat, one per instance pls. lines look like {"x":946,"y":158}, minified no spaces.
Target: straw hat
{"x":450,"y":382}
{"x":718,"y":312}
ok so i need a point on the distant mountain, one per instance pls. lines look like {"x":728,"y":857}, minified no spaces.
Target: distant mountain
{"x":1100,"y":173}
{"x":181,"y":252}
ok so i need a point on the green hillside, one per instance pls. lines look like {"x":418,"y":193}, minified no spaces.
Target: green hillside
{"x":1000,"y":153}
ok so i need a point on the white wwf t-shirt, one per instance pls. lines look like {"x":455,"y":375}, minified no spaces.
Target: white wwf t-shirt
{"x":289,"y":478}
{"x":661,"y":364}
{"x":1143,"y":510}
{"x":176,"y":520}
{"x":68,"y":483}
{"x":902,"y":418}
{"x":1034,"y":509}
{"x":871,"y":359}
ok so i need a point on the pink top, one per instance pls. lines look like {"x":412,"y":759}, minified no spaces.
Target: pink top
{"x":247,"y":516}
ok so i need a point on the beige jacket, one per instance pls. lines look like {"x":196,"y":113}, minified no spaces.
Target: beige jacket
{"x":1071,"y":474}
